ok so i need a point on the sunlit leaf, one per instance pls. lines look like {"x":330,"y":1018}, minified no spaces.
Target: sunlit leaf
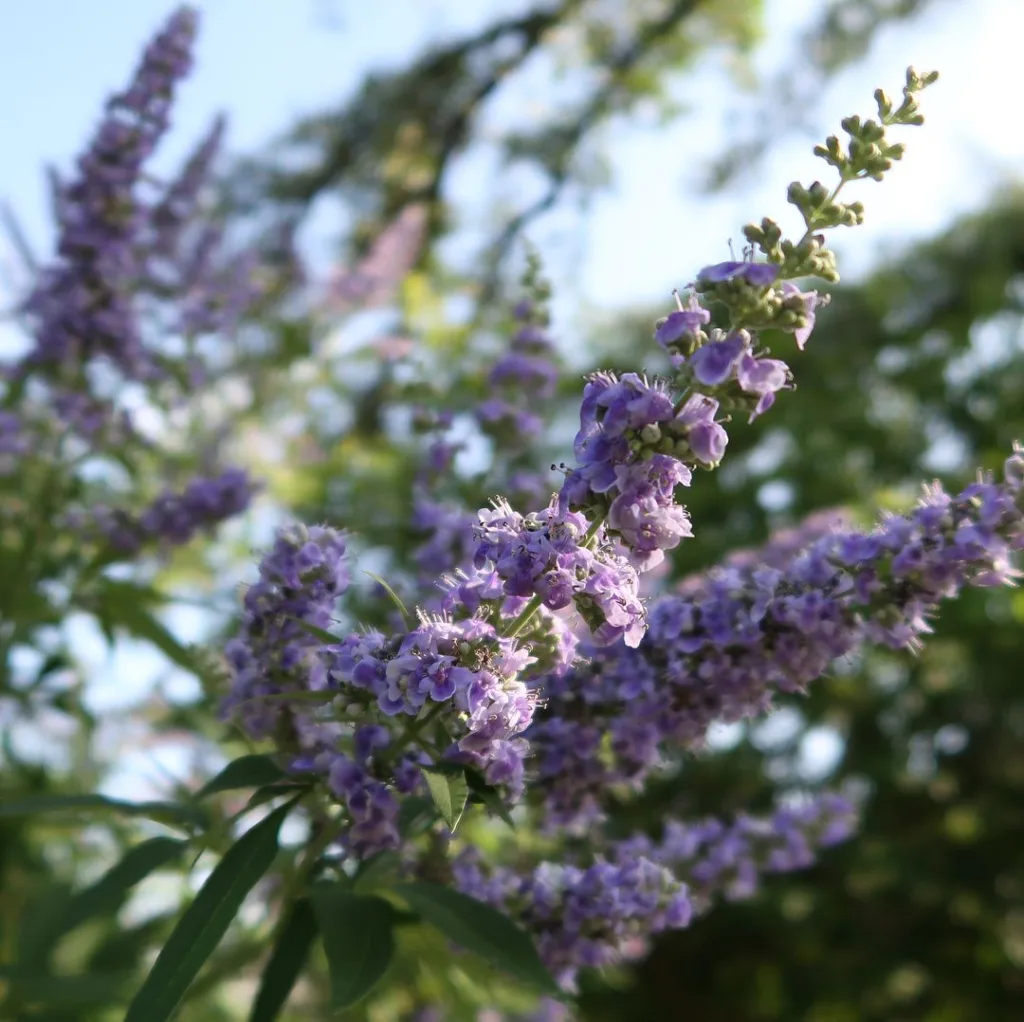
{"x":449,"y":792}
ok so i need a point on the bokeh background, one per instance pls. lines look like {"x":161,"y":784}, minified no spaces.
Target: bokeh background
{"x":628,"y":142}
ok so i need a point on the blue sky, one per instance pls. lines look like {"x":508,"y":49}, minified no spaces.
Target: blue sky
{"x":267,"y":61}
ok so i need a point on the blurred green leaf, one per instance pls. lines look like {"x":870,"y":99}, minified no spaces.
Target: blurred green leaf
{"x":170,"y":813}
{"x":206,"y":920}
{"x":489,"y":796}
{"x":291,"y":949}
{"x":480,"y":929}
{"x":394,"y":597}
{"x":356,"y":930}
{"x":104,"y":897}
{"x":253,"y":771}
{"x":125,"y":604}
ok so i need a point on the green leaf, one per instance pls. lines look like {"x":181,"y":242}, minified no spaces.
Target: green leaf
{"x":481,"y":929}
{"x":70,"y":994}
{"x":356,"y":930}
{"x":206,"y":920}
{"x":272,"y":791}
{"x":379,"y":870}
{"x":291,"y":950}
{"x":104,"y":897}
{"x":246,"y":772}
{"x":395,"y":599}
{"x":124,"y":604}
{"x":488,"y":795}
{"x":449,"y":792}
{"x":315,"y":630}
{"x":171,"y":813}
{"x":413,"y":814}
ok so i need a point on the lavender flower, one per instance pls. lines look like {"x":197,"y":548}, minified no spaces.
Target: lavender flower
{"x":461,"y":674}
{"x":15,"y":442}
{"x":632,"y":451}
{"x":525,"y":375}
{"x":594,"y":915}
{"x":449,"y":535}
{"x":753,"y":274}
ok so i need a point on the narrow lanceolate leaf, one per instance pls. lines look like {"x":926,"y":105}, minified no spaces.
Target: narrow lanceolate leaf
{"x":171,"y":813}
{"x":126,"y":605}
{"x":449,"y":792}
{"x":245,"y":772}
{"x":481,"y":929}
{"x":271,"y":791}
{"x":315,"y":630}
{"x":106,"y":895}
{"x":414,"y":813}
{"x":205,"y":921}
{"x":356,"y":930}
{"x":286,"y":961}
{"x":395,"y":598}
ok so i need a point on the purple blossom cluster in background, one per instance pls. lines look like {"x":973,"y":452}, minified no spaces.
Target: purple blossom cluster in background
{"x":580,"y":916}
{"x":728,"y":859}
{"x":84,"y":306}
{"x":521,"y":383}
{"x":301,"y":578}
{"x":521,"y":380}
{"x":174,"y":518}
{"x":141,"y":273}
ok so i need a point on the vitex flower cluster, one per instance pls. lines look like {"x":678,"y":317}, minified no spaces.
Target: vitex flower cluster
{"x":536,"y":675}
{"x":142,"y":274}
{"x":719,"y":650}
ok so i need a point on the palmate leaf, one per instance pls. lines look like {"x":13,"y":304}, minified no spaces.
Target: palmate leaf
{"x":480,"y":929}
{"x":206,"y":920}
{"x":356,"y":930}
